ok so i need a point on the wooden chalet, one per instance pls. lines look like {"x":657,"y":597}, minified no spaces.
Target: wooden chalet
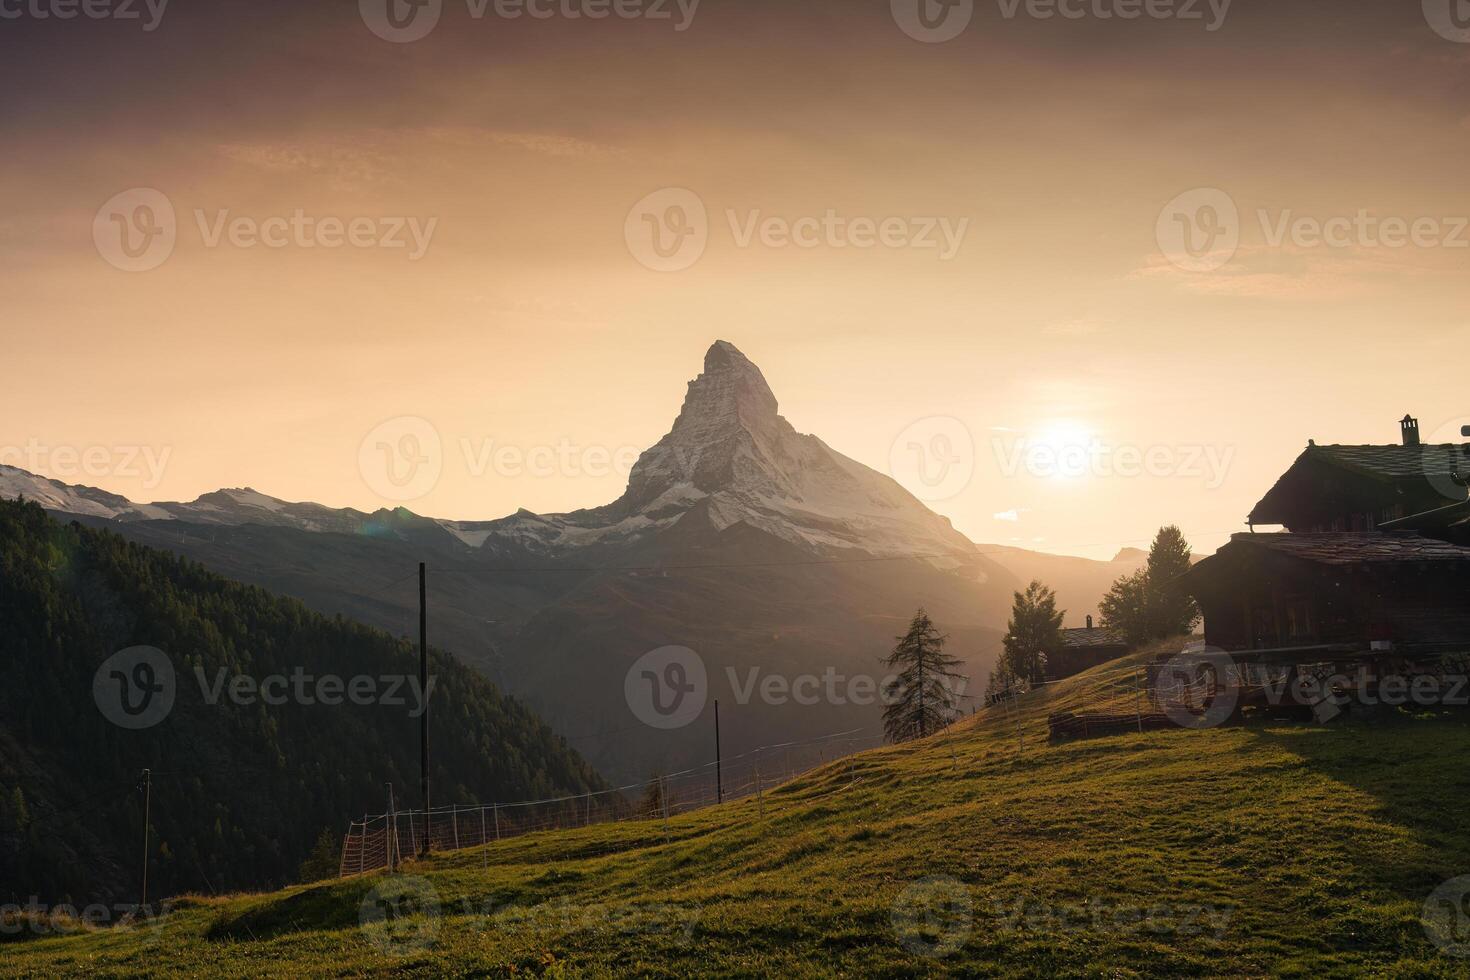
{"x":1082,"y":648}
{"x":1376,"y":555}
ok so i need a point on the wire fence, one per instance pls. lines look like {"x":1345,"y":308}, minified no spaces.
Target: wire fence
{"x":1103,"y":701}
{"x":383,"y":840}
{"x":1116,"y":698}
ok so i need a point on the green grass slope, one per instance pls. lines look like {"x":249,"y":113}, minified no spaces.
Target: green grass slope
{"x":1258,"y":850}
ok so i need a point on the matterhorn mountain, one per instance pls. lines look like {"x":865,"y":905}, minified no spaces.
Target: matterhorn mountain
{"x":731,"y":459}
{"x":758,"y":547}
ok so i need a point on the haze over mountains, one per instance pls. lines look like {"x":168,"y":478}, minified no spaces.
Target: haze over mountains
{"x":756,"y":546}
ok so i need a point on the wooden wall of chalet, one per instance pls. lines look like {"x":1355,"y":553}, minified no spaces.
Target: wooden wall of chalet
{"x":1406,"y":603}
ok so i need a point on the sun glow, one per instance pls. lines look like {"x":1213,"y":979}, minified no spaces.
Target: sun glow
{"x":1063,"y":450}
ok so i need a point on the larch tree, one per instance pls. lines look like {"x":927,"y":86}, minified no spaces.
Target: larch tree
{"x":923,"y":695}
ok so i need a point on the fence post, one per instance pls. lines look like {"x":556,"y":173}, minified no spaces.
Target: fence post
{"x":663,"y":794}
{"x":1138,"y":697}
{"x":346,"y":849}
{"x":454,"y":821}
{"x":390,"y":827}
{"x":495,"y":811}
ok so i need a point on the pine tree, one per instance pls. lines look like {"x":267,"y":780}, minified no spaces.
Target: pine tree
{"x":922,"y":698}
{"x":1151,"y":603}
{"x":1033,"y":631}
{"x":1125,"y":608}
{"x":1171,"y":610}
{"x":323,"y":861}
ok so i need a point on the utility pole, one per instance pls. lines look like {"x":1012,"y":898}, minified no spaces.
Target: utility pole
{"x":719,"y":774}
{"x":147,"y":805}
{"x":424,"y":718}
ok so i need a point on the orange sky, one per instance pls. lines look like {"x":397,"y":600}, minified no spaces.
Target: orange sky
{"x":529,"y":322}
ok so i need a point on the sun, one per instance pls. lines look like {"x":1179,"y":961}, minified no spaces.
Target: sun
{"x":1064,"y":449}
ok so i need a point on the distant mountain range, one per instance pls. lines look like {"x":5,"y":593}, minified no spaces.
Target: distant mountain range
{"x":738,"y":537}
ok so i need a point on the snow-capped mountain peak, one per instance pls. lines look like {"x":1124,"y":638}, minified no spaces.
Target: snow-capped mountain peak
{"x":730,"y":458}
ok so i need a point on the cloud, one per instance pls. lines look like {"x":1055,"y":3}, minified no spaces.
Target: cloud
{"x":1294,"y":272}
{"x":370,"y":157}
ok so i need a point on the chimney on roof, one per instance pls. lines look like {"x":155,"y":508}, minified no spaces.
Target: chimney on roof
{"x":1410,"y":425}
{"x":1089,"y":622}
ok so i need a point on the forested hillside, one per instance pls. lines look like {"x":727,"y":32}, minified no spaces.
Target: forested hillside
{"x":241,"y":788}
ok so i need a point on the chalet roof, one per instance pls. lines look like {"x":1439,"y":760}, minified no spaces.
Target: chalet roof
{"x":1394,"y":464}
{"x":1355,"y":548}
{"x":1092,"y":636}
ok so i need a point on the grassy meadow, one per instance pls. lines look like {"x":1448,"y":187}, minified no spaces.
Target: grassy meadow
{"x":1264,"y":849}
